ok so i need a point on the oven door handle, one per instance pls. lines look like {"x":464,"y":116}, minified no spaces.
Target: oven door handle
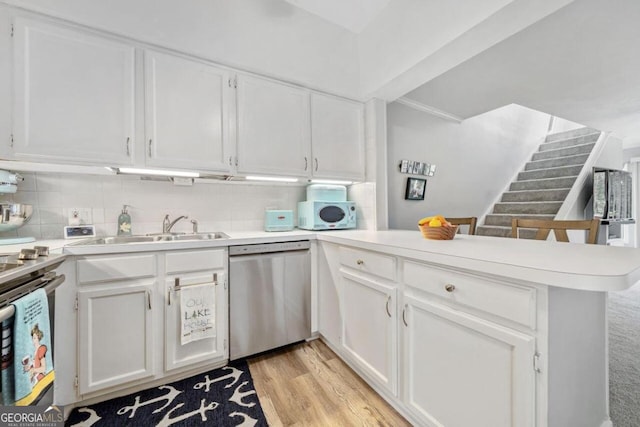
{"x":48,"y":284}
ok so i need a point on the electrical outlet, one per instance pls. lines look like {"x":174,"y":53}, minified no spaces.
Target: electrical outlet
{"x":79,"y":216}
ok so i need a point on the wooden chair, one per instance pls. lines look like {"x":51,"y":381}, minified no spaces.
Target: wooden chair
{"x":470,"y":221}
{"x":559,"y":228}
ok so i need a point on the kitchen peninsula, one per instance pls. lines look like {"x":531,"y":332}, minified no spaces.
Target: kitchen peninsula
{"x":510,"y":332}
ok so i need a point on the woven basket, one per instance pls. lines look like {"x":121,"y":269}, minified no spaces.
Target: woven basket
{"x":438,"y":233}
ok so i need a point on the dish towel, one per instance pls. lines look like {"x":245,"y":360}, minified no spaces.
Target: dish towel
{"x":197,"y":312}
{"x":32,"y":363}
{"x":6,"y":369}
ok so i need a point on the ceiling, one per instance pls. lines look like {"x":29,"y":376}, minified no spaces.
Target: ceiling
{"x":354,"y":15}
{"x":581,"y":63}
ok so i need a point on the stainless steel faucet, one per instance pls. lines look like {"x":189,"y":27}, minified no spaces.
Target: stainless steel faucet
{"x":167,"y":225}
{"x":195,"y":226}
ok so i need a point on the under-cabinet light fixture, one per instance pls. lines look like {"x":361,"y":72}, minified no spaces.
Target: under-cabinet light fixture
{"x":270,"y":178}
{"x":157,"y":172}
{"x":331,"y":181}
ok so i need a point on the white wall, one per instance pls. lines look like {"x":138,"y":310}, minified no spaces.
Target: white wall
{"x":269,"y":37}
{"x":561,"y":125}
{"x":475,"y":159}
{"x":407,"y":31}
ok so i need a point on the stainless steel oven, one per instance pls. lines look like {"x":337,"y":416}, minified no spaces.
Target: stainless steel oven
{"x":19,"y":277}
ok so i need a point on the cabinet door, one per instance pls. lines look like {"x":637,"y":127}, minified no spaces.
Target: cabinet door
{"x":337,"y":137}
{"x":74,"y":96}
{"x":370,"y":328}
{"x":186,"y":113}
{"x":273,"y":128}
{"x":115,"y":335}
{"x":204,"y":350}
{"x":464,"y":371}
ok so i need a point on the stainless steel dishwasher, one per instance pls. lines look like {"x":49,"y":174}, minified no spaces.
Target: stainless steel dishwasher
{"x":269,"y":296}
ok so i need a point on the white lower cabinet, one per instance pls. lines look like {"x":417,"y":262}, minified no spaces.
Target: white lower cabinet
{"x":178,"y":355}
{"x":129,"y":317}
{"x":461,"y":370}
{"x":370,"y":327}
{"x":115,"y":328}
{"x":425,"y":338}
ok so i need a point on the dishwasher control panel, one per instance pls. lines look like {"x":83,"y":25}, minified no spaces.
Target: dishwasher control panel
{"x":262,"y":248}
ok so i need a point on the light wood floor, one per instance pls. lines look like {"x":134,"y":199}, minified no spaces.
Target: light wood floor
{"x":308,"y":385}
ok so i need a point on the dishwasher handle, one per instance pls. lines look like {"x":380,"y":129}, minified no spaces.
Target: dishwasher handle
{"x":264,"y":248}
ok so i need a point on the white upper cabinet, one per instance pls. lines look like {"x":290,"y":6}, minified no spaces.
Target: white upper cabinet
{"x":186,"y":113}
{"x":74,"y":95}
{"x":337,"y":137}
{"x":273,"y":128}
{"x":80,"y":97}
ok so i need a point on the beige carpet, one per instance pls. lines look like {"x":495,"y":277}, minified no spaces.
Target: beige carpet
{"x":624,"y":363}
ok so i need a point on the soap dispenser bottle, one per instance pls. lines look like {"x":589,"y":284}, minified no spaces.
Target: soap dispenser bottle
{"x":124,"y":222}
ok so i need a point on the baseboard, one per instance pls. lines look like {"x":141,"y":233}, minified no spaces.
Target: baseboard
{"x":606,"y":423}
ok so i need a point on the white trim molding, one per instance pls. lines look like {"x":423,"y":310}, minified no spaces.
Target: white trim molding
{"x":428,"y":109}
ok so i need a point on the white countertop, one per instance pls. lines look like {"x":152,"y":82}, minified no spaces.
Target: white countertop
{"x":568,"y":265}
{"x":55,"y":246}
{"x":235,"y":238}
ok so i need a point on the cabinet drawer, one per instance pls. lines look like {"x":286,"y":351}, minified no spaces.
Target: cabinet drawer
{"x":369,"y":262}
{"x":178,"y":262}
{"x":516,"y":303}
{"x":109,"y":268}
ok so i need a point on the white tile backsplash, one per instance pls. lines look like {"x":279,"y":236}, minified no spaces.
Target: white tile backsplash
{"x":217,"y":206}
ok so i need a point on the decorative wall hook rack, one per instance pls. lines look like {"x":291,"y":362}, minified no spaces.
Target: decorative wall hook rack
{"x":413,"y":167}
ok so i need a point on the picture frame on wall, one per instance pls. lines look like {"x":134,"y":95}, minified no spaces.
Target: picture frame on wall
{"x":415,"y":189}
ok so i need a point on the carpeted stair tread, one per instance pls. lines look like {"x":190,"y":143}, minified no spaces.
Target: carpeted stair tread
{"x":553,"y":195}
{"x":493,"y":230}
{"x":556,"y":172}
{"x":564,"y":151}
{"x":579,"y":159}
{"x":568,"y":134}
{"x":543,"y":183}
{"x":553,"y":145}
{"x":527,"y":207}
{"x":504,"y":220}
{"x":497,"y":231}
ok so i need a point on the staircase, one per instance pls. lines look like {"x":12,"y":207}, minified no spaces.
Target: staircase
{"x":541,"y":188}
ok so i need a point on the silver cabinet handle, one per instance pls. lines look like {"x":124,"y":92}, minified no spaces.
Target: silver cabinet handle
{"x":316,"y":162}
{"x":149,"y":300}
{"x":387,"y":307}
{"x":306,"y":163}
{"x":360,"y":262}
{"x":404,"y":319}
{"x":230,"y":157}
{"x":169,"y":296}
{"x":150,"y":142}
{"x":449,"y":287}
{"x":128,"y":149}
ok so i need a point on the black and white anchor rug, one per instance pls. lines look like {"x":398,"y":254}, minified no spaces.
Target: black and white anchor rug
{"x":222,"y":397}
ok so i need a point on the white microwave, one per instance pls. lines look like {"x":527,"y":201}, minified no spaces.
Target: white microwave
{"x":323,"y":215}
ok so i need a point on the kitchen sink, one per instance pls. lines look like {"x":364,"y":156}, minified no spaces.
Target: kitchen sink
{"x":121,"y":240}
{"x":200,"y":236}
